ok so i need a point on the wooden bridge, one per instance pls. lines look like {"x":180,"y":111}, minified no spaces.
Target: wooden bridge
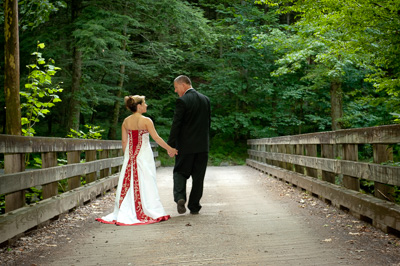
{"x":324,"y":164}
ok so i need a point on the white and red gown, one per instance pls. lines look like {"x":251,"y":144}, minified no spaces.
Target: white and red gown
{"x":137,"y":200}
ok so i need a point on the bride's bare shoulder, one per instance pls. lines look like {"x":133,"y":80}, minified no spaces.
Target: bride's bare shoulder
{"x":147,"y":120}
{"x":128,"y":118}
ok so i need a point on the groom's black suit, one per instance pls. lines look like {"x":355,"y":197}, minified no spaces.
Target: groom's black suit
{"x":190,"y":136}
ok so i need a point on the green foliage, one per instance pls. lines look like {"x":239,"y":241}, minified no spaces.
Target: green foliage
{"x":39,"y":94}
{"x":369,"y":40}
{"x":164,"y":158}
{"x":367,"y":186}
{"x":38,"y":162}
{"x":2,"y":204}
{"x":396,"y":117}
{"x":32,"y":13}
{"x":33,"y":195}
{"x":264,"y":78}
{"x":94,"y":132}
{"x":227,"y":152}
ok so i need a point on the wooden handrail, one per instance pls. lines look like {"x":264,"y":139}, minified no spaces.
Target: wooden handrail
{"x":23,"y":180}
{"x":371,"y":135}
{"x":102,"y":156}
{"x":316,"y":161}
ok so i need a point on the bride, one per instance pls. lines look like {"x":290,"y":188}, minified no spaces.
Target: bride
{"x":137,"y":200}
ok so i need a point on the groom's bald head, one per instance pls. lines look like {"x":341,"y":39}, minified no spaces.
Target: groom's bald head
{"x":182,"y":84}
{"x":183,"y":79}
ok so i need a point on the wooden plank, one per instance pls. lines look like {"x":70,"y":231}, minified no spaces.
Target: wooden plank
{"x":106,"y":171}
{"x":351,"y":154}
{"x":384,"y":214}
{"x":311,"y":151}
{"x":374,"y":172}
{"x":263,"y":148}
{"x":289,"y":150}
{"x":282,"y":149}
{"x":299,"y":150}
{"x":327,"y":151}
{"x":115,"y":153}
{"x":372,"y":135}
{"x":90,"y":157}
{"x":23,"y":219}
{"x":49,"y":159}
{"x":21,"y":144}
{"x":275,"y":149}
{"x":383,"y":153}
{"x":14,"y":163}
{"x":268,"y":150}
{"x":72,"y":158}
{"x":18,"y":181}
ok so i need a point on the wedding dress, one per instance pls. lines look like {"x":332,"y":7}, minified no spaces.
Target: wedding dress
{"x":137,"y":200}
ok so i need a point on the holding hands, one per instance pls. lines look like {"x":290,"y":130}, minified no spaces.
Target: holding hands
{"x":172,"y":152}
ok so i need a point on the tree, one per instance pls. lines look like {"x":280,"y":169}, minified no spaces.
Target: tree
{"x":369,"y":31}
{"x":12,"y":163}
{"x":11,"y":81}
{"x":74,"y":107}
{"x":320,"y":64}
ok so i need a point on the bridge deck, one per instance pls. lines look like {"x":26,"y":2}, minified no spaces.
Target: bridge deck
{"x":244,"y":221}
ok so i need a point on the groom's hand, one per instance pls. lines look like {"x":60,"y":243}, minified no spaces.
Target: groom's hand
{"x":172,"y":153}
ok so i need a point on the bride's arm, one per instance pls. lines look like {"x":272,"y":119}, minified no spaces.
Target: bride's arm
{"x":153,"y":133}
{"x":124,"y":137}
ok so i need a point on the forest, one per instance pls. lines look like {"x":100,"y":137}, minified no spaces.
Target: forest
{"x":270,"y":68}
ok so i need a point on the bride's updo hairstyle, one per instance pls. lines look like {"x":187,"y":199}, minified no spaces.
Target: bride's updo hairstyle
{"x":131,"y":102}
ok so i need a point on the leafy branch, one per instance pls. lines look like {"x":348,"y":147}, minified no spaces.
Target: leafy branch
{"x":40,"y":94}
{"x":94,"y":132}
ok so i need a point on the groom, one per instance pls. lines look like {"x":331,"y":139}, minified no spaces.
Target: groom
{"x":190,"y":136}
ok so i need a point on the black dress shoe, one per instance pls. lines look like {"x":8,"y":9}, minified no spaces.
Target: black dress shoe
{"x":194,"y":213}
{"x":181,"y":206}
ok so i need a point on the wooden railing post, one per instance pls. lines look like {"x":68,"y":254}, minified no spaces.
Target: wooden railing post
{"x":275,"y":149}
{"x":299,"y":150}
{"x":383,"y":153}
{"x":74,"y":157}
{"x":311,"y":150}
{"x":289,"y":150}
{"x":262,"y":148}
{"x":327,"y":151}
{"x":268,"y":149}
{"x":91,"y":156}
{"x":282,"y":149}
{"x":350,"y":153}
{"x":14,"y":163}
{"x":115,"y":153}
{"x":49,"y":159}
{"x":105,"y":172}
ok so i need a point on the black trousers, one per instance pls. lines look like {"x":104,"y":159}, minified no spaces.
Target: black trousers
{"x":187,"y":165}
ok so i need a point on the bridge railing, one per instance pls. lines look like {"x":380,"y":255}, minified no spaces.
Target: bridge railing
{"x":326,"y":164}
{"x":97,"y":162}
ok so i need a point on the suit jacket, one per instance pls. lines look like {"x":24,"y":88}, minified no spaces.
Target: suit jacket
{"x":190,"y":131}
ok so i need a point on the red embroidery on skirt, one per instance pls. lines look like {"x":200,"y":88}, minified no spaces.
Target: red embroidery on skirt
{"x":132,"y":167}
{"x":127,"y":180}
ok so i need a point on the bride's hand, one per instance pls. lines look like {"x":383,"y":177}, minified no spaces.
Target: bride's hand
{"x":172,"y":152}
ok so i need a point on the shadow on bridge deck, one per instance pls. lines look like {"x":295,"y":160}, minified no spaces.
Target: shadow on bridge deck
{"x":244,"y":221}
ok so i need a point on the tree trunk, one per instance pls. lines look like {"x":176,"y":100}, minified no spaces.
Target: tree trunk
{"x":11,"y":69}
{"x":74,"y":104}
{"x":336,"y":104}
{"x":74,"y":108}
{"x":12,"y":162}
{"x":112,"y":133}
